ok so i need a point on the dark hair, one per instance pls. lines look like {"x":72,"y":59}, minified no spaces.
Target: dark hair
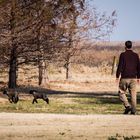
{"x":128,"y":44}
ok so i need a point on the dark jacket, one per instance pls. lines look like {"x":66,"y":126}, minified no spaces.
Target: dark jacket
{"x":129,"y":65}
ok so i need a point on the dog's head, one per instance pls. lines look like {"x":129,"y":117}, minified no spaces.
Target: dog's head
{"x":4,"y":91}
{"x":32,"y":91}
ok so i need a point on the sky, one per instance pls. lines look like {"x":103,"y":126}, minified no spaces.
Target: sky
{"x":128,"y":18}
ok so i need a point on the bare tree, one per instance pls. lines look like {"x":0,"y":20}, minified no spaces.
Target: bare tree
{"x":85,"y":26}
{"x":22,"y":30}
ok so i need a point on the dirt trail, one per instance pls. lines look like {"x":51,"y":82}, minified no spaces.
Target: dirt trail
{"x":24,"y":126}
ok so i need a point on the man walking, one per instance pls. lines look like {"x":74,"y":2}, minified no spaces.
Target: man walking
{"x":128,"y":74}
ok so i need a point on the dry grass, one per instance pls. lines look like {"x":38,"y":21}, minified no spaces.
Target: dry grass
{"x":79,"y":93}
{"x":90,"y":90}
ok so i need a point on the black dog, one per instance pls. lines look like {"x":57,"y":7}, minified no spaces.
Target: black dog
{"x":38,"y":95}
{"x":12,"y":95}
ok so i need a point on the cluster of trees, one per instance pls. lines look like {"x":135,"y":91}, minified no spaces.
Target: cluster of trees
{"x":41,"y":31}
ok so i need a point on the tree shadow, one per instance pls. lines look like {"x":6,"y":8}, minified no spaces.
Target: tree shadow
{"x":26,"y":89}
{"x":105,"y":97}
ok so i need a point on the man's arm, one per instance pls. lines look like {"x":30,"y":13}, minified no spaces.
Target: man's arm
{"x":138,"y":69}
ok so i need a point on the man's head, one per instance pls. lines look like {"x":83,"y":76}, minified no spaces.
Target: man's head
{"x":128,"y":44}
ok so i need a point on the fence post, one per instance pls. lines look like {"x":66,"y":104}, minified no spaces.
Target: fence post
{"x":114,"y":65}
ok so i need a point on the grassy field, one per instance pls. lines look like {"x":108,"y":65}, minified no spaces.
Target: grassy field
{"x":68,"y":104}
{"x":90,"y":90}
{"x":84,"y":107}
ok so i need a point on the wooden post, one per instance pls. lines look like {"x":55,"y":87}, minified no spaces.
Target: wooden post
{"x":114,"y":65}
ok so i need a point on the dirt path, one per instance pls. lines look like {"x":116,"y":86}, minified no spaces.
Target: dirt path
{"x":21,"y":126}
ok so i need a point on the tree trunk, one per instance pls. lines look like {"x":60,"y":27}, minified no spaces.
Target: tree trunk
{"x":12,"y":70}
{"x":67,"y":68}
{"x":67,"y":65}
{"x":13,"y":58}
{"x":43,"y":78}
{"x":42,"y":68}
{"x":67,"y":72}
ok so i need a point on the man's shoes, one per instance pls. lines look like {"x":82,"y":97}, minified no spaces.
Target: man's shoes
{"x":133,"y":112}
{"x":127,"y":110}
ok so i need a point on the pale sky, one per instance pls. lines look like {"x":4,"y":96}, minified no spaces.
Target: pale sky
{"x":128,"y":18}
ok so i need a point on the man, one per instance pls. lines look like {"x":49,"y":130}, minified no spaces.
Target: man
{"x":128,"y":74}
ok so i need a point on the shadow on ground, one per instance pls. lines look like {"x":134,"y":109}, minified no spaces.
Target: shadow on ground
{"x":105,"y":97}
